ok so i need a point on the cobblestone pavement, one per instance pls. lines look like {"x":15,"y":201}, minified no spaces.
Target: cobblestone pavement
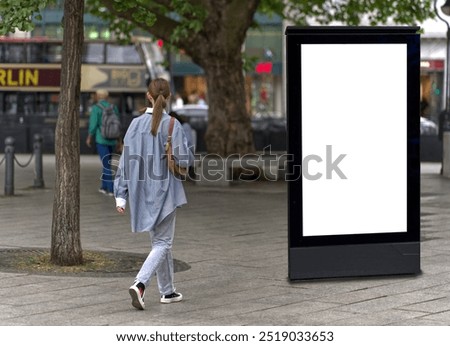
{"x":235,"y":241}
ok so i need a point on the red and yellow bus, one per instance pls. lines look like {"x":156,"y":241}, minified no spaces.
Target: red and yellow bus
{"x":30,"y":71}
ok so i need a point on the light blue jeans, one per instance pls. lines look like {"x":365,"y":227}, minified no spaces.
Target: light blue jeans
{"x":160,"y":261}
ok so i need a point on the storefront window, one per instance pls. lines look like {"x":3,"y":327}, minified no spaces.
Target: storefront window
{"x":93,"y":35}
{"x":38,"y":31}
{"x":105,"y":34}
{"x":264,"y":45}
{"x":54,"y":31}
{"x":56,"y":5}
{"x":260,"y":42}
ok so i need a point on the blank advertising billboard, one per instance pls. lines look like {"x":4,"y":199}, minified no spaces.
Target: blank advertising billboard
{"x":357,"y":121}
{"x":353,"y":125}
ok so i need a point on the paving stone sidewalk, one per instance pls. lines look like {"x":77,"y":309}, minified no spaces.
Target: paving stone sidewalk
{"x":235,"y":242}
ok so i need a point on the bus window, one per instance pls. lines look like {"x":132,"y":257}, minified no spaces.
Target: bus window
{"x":115,"y":100}
{"x":15,"y":53}
{"x":34,"y":52}
{"x":2,"y":53}
{"x":42,"y":104}
{"x":93,"y":53}
{"x":129,"y":104}
{"x":11,"y":103}
{"x":53,"y":52}
{"x":140,"y":104}
{"x":26,"y":104}
{"x":53,"y":102}
{"x":116,"y":54}
{"x":87,"y":100}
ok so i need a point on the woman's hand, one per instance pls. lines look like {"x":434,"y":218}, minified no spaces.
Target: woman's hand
{"x":120,"y":210}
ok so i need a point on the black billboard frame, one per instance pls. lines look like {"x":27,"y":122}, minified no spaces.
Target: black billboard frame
{"x":332,"y":256}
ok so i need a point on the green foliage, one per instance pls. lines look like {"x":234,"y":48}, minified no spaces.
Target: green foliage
{"x":249,"y":62}
{"x":272,"y":7}
{"x":187,"y":17}
{"x":358,"y":12}
{"x":183,"y":17}
{"x":19,"y":16}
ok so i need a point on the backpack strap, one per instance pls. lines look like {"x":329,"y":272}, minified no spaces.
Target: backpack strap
{"x":102,"y":107}
{"x":173,"y":167}
{"x":172,"y":122}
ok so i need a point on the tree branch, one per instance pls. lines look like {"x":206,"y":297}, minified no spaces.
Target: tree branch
{"x":165,"y":24}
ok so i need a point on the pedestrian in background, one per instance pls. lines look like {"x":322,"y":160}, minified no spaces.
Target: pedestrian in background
{"x":191,"y":134}
{"x":178,"y":102}
{"x":152,"y":192}
{"x":105,"y":147}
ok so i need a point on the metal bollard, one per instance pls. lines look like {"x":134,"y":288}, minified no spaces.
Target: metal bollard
{"x":38,"y":167}
{"x":9,"y":166}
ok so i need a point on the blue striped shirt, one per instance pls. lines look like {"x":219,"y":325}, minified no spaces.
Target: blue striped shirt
{"x":143,"y":178}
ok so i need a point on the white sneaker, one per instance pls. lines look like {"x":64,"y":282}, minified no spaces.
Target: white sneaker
{"x":172,"y":298}
{"x":137,"y":296}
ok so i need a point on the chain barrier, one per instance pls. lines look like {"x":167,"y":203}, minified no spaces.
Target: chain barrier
{"x":26,"y":164}
{"x":10,"y":158}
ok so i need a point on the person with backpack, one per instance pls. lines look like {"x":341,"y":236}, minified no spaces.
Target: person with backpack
{"x":105,"y":129}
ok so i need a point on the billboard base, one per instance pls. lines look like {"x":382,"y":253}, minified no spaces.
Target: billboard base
{"x":317,"y":262}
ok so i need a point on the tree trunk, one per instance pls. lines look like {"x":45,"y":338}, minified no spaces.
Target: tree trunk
{"x":229,"y":125}
{"x":66,"y":243}
{"x":217,"y":49}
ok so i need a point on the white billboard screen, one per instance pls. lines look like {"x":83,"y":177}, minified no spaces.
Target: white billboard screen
{"x":354,"y":138}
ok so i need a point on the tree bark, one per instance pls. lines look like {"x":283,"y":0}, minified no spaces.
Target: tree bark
{"x":217,"y":49}
{"x":229,"y":125}
{"x":65,"y":242}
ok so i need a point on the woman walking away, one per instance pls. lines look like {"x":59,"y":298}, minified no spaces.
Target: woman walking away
{"x":152,"y":191}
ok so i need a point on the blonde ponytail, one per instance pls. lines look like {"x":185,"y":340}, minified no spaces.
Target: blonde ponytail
{"x":159,"y":91}
{"x":158,"y":108}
